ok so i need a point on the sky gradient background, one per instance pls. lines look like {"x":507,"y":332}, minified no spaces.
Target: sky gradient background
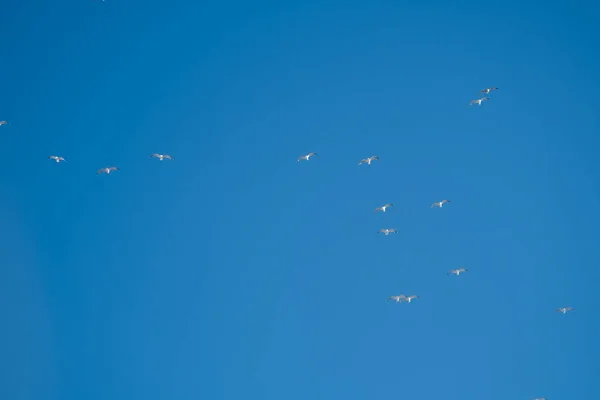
{"x":235,"y":272}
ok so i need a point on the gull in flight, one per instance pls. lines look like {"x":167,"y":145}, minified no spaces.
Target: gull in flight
{"x":540,"y":398}
{"x":106,"y":170}
{"x":368,"y":160}
{"x":307,"y":157}
{"x":439,"y":204}
{"x":383,"y":207}
{"x":56,"y":158}
{"x":565,"y":309}
{"x":161,"y":156}
{"x":3,"y":122}
{"x":387,"y":231}
{"x":487,"y":91}
{"x":478,"y":101}
{"x":457,"y":271}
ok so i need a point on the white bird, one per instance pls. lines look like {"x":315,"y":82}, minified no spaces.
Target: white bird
{"x":457,"y":271}
{"x":565,"y":309}
{"x":368,"y":160}
{"x":439,"y":204}
{"x":540,"y":398}
{"x":478,"y":101}
{"x":488,"y":90}
{"x":3,"y":122}
{"x":398,"y":299}
{"x":56,"y":158}
{"x":383,"y":207}
{"x":387,"y":231}
{"x":106,"y":170}
{"x":161,"y":156}
{"x":409,"y":298}
{"x":307,"y":157}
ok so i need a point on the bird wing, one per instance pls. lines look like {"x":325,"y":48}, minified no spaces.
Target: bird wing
{"x":101,"y":171}
{"x":113,"y":169}
{"x":413,"y":297}
{"x":463,"y":270}
{"x":168,"y":157}
{"x":3,"y":122}
{"x":155,"y":155}
{"x":392,"y":230}
{"x":364,"y":160}
{"x":388,"y":205}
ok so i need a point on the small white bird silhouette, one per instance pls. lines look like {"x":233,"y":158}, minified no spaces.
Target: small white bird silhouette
{"x":565,"y":309}
{"x":56,"y":158}
{"x":368,"y":160}
{"x":161,"y":156}
{"x":383,"y":207}
{"x":439,"y":204}
{"x":457,"y":271}
{"x":387,"y":231}
{"x":398,"y":299}
{"x":307,"y":157}
{"x":106,"y":170}
{"x":540,"y":398}
{"x":478,"y":101}
{"x":488,"y":90}
{"x":3,"y":122}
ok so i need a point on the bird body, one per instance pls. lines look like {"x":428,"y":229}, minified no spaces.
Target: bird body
{"x":564,"y":310}
{"x":457,"y":271}
{"x":439,"y":204}
{"x":106,"y":170}
{"x":387,"y":231}
{"x":488,"y":90}
{"x":161,"y":156}
{"x":383,"y":207}
{"x":306,"y":157}
{"x":368,"y":160}
{"x":478,"y":101}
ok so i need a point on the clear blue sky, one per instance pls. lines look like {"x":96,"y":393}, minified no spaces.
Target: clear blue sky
{"x":234,"y":272}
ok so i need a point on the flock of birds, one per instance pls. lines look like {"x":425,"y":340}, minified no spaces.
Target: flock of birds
{"x":401,"y":298}
{"x":438,"y":204}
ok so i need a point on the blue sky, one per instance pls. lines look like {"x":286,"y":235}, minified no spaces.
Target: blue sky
{"x":235,"y":272}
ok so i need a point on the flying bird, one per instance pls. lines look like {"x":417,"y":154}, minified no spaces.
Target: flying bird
{"x":565,"y":309}
{"x":161,"y":156}
{"x":387,"y":231}
{"x":56,"y":158}
{"x":307,"y":157}
{"x":439,"y":204}
{"x":478,"y":101}
{"x":383,"y":207}
{"x":398,"y":299}
{"x":368,"y":160}
{"x":488,"y":90}
{"x":457,"y":271}
{"x":3,"y":123}
{"x":106,"y":170}
{"x":540,"y":398}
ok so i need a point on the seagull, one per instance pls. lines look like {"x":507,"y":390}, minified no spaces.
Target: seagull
{"x":368,"y":160}
{"x":387,"y":231}
{"x":161,"y":156}
{"x":106,"y":170}
{"x":439,"y":204}
{"x":409,"y":298}
{"x":398,"y":299}
{"x":478,"y":101}
{"x":56,"y":158}
{"x":539,"y":398}
{"x":383,"y":207}
{"x":487,"y":91}
{"x":565,"y":309}
{"x":457,"y":271}
{"x":3,"y":122}
{"x":306,"y":157}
